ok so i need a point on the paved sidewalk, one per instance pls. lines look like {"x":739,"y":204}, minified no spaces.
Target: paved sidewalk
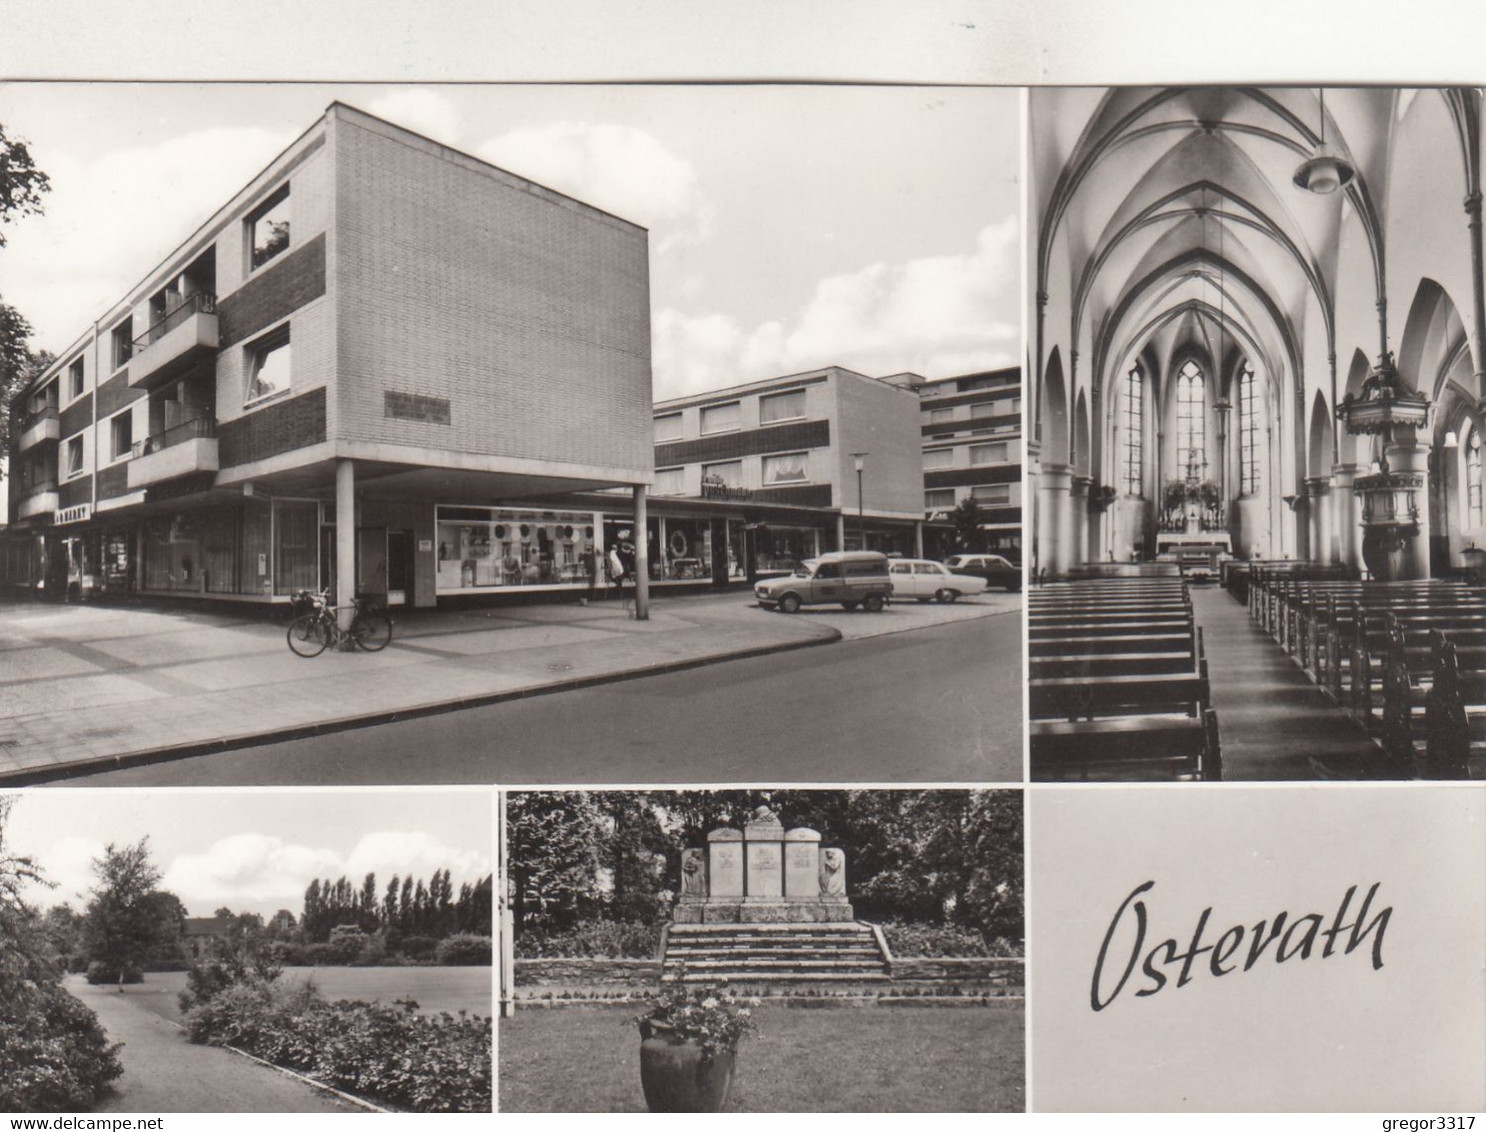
{"x":91,"y":687}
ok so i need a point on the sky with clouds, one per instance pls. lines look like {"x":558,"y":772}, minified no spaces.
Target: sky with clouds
{"x":254,"y":851}
{"x":790,"y":226}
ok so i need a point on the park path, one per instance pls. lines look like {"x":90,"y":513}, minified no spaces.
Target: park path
{"x":163,"y":1072}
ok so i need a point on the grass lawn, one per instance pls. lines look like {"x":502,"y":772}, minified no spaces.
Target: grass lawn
{"x":434,"y":989}
{"x":826,"y":1059}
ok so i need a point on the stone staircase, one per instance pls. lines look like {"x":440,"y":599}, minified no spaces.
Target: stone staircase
{"x":839,"y":956}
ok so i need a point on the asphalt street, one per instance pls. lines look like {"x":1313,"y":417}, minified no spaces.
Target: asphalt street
{"x":938,"y":704}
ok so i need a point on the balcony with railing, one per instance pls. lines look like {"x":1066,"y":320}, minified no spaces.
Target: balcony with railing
{"x":39,"y":498}
{"x":43,"y":424}
{"x":179,"y":451}
{"x":185,"y":336}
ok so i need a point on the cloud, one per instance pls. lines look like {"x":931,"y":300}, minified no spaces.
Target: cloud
{"x":111,"y":215}
{"x":620,"y":169}
{"x":936,"y":315}
{"x":69,"y":866}
{"x":256,"y":872}
{"x":423,"y":111}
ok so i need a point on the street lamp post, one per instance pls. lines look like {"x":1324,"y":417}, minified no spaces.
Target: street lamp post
{"x":859,"y":461}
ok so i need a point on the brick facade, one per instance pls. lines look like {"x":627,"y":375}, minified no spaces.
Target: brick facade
{"x":77,"y":416}
{"x":277,"y":291}
{"x":281,"y":427}
{"x":115,"y":393}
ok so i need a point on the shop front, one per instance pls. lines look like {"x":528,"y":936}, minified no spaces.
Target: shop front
{"x":495,"y":549}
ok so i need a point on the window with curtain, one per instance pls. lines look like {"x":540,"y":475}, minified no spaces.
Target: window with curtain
{"x":781,"y":407}
{"x":1473,"y":476}
{"x":1191,"y":422}
{"x":1251,"y":443}
{"x":1132,"y":422}
{"x":784,"y":469}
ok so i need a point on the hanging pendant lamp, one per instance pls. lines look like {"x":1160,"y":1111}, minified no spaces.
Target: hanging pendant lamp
{"x":1325,"y":170}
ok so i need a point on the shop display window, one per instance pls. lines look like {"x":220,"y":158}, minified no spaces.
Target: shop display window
{"x":498,"y":547}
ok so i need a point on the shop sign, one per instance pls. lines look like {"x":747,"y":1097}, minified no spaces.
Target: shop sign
{"x":80,"y":513}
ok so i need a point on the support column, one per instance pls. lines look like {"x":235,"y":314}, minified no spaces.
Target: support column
{"x":840,"y":532}
{"x":918,"y":538}
{"x":1078,"y":517}
{"x":1346,"y":519}
{"x":345,"y":540}
{"x":1318,"y":501}
{"x":1411,"y":456}
{"x":642,"y":557}
{"x":1053,"y":531}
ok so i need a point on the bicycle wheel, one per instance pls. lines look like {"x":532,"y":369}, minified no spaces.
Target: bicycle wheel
{"x":371,"y":629}
{"x":307,"y":635}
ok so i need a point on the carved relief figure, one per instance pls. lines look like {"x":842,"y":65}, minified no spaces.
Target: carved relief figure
{"x":693,"y":873}
{"x":833,"y":873}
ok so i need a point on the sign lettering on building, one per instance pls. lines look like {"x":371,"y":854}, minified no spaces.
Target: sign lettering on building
{"x":80,"y":513}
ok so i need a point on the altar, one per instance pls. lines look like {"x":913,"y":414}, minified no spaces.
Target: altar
{"x":1179,"y":542}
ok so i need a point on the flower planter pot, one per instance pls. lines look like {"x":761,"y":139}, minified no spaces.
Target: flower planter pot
{"x":676,"y":1078}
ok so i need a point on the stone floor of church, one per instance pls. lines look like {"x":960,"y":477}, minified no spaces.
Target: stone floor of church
{"x":1274,"y":722}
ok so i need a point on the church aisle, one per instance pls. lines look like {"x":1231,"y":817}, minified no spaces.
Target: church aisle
{"x":1272,"y":720}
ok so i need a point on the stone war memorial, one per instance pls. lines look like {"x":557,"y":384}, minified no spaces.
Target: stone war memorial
{"x":763,"y":874}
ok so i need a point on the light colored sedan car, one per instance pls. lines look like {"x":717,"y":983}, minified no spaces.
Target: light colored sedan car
{"x":924,"y":580}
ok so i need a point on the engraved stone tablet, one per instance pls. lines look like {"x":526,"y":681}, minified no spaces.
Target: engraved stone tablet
{"x":765,"y":870}
{"x":724,"y":865}
{"x":802,"y":865}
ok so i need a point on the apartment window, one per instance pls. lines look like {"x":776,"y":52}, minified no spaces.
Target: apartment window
{"x":782,"y":407}
{"x":268,"y":365}
{"x":1016,"y":405}
{"x":268,"y":227}
{"x":939,"y":458}
{"x":784,"y":469}
{"x":44,"y":398}
{"x":728,"y":475}
{"x":668,"y":481}
{"x":722,"y":418}
{"x":991,"y":493}
{"x":941,"y":416}
{"x":981,"y":454}
{"x":668,"y":428}
{"x":75,"y":379}
{"x":982,"y":410}
{"x":121,"y":432}
{"x":940,"y":499}
{"x":75,"y":456}
{"x":123,"y":341}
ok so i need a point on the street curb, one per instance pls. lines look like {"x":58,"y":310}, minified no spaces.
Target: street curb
{"x":34,"y":776}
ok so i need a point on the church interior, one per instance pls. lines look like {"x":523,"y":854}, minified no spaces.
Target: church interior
{"x":1256,"y":321}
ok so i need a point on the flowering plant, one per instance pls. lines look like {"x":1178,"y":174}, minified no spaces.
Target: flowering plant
{"x":711,"y":1016}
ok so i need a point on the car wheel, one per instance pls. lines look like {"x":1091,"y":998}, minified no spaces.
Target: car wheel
{"x":850,"y":606}
{"x":789,"y":603}
{"x":1012,"y":587}
{"x":874,"y":603}
{"x":944,"y":597}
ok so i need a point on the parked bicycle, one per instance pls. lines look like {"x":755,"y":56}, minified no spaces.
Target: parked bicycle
{"x":316,"y":626}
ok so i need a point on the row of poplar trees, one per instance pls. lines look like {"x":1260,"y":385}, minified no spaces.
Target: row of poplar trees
{"x":406,"y":907}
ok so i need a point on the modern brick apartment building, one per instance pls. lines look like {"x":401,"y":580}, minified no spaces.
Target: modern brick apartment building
{"x":382,"y":362}
{"x":754,"y":478}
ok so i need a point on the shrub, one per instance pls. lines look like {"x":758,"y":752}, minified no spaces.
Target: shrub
{"x":102,"y":973}
{"x":373,"y":951}
{"x":428,"y":1064}
{"x":419,"y":946}
{"x":225,"y":965}
{"x":54,"y":1056}
{"x":345,"y":944}
{"x":934,"y":941}
{"x":464,"y":950}
{"x":591,"y":939}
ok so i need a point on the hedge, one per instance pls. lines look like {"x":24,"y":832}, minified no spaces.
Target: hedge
{"x":54,"y":1056}
{"x":590,"y":939}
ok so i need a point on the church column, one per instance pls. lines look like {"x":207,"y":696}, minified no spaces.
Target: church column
{"x":1079,"y":519}
{"x":1346,"y":520}
{"x":1318,"y":506}
{"x":1478,"y":292}
{"x":1412,"y":456}
{"x":1054,"y":530}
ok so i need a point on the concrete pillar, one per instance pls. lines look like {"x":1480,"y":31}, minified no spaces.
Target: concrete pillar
{"x":642,"y":557}
{"x":345,"y":540}
{"x":1346,"y":519}
{"x":1411,"y":456}
{"x":840,"y":532}
{"x":1079,"y":518}
{"x":1054,"y":531}
{"x":918,"y":539}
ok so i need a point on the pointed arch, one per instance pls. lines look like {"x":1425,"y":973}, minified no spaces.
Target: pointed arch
{"x":1318,"y":449}
{"x":1055,"y":411}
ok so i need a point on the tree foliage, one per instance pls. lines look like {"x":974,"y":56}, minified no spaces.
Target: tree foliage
{"x":54,"y":1056}
{"x":407,"y":907}
{"x":554,"y":852}
{"x":21,"y":182}
{"x":965,"y":520}
{"x":21,"y":189}
{"x":127,"y":917}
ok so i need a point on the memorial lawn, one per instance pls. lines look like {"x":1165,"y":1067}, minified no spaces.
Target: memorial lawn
{"x":828,"y":1059}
